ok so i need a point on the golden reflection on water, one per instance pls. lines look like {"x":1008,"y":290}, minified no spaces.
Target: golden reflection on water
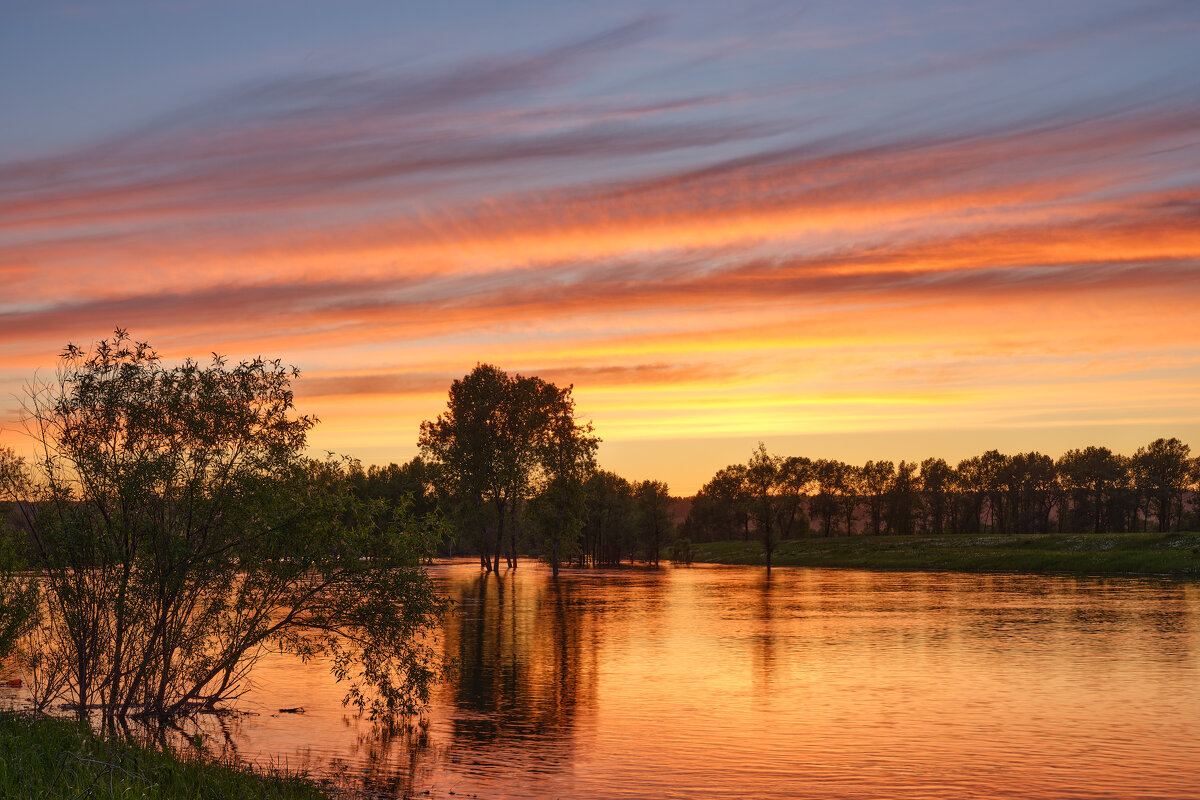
{"x":722,"y":682}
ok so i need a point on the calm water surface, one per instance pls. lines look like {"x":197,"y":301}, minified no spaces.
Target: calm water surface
{"x":718,"y":682}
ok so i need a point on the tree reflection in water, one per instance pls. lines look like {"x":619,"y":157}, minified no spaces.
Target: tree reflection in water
{"x":523,"y":649}
{"x":704,"y":681}
{"x":525,"y":655}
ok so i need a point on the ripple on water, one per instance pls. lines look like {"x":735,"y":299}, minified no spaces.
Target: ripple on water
{"x":718,"y":682}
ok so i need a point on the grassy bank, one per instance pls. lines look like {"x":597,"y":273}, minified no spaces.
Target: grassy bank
{"x":42,"y":757}
{"x":1085,"y":554}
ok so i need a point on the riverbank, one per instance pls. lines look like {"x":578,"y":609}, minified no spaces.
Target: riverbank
{"x":43,"y":757}
{"x":1175,"y":554}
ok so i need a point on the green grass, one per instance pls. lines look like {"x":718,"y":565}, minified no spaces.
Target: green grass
{"x":43,"y":757}
{"x":1175,"y":554}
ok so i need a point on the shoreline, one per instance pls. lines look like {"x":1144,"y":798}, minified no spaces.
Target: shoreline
{"x":1169,"y":555}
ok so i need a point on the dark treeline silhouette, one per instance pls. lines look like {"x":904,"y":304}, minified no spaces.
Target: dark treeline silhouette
{"x":514,"y":472}
{"x":1090,"y":490}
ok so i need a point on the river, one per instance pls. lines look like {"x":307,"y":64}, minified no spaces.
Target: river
{"x":721,"y":682}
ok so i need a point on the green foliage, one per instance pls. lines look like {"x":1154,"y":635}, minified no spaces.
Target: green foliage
{"x":42,"y":757}
{"x":502,"y":441}
{"x":18,"y":592}
{"x":178,"y":533}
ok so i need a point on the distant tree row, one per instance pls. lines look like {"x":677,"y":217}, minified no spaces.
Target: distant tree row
{"x":514,"y":471}
{"x":1094,"y":490}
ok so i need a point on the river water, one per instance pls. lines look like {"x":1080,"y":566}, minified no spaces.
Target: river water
{"x":721,"y":682}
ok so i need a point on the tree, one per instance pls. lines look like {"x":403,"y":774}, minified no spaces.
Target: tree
{"x":18,"y":600}
{"x":1090,"y":476}
{"x":567,"y":453}
{"x":902,"y":499}
{"x":722,"y":506}
{"x":476,"y":453}
{"x":497,"y":437}
{"x":396,"y":484}
{"x":829,"y":478}
{"x":608,"y":530}
{"x":762,"y":484}
{"x":177,"y":533}
{"x":1040,"y":492}
{"x":795,"y":485}
{"x":775,"y":487}
{"x":875,"y":478}
{"x":970,"y":485}
{"x":937,"y":485}
{"x":652,"y":504}
{"x":1161,"y":470}
{"x":850,"y":492}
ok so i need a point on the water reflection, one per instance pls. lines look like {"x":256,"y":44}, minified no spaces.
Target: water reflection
{"x":724,"y":682}
{"x":525,"y":656}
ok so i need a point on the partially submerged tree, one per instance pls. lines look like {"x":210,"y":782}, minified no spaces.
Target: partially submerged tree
{"x":776,"y":487}
{"x":18,"y":590}
{"x":500,"y":438}
{"x":652,"y":514}
{"x":567,"y":456}
{"x":609,"y":520}
{"x":177,"y":533}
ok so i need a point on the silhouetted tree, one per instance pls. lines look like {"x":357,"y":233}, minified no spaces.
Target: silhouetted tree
{"x":1040,"y":492}
{"x":721,"y":509}
{"x":1089,"y":476}
{"x":796,"y":484}
{"x":775,"y":486}
{"x":492,"y":443}
{"x":874,"y":479}
{"x":937,"y":486}
{"x":850,"y":493}
{"x":971,"y":491}
{"x":829,"y":483}
{"x":902,"y":499}
{"x":1162,"y":471}
{"x":652,"y":504}
{"x":609,"y":519}
{"x":567,"y":454}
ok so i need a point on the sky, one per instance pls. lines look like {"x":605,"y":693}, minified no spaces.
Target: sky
{"x":848,"y":230}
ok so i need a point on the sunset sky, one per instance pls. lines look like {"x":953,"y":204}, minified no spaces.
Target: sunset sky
{"x":847,"y":229}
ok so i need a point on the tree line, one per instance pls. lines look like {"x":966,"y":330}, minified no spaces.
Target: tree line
{"x":602,"y":520}
{"x":1092,"y":489}
{"x":514,"y":471}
